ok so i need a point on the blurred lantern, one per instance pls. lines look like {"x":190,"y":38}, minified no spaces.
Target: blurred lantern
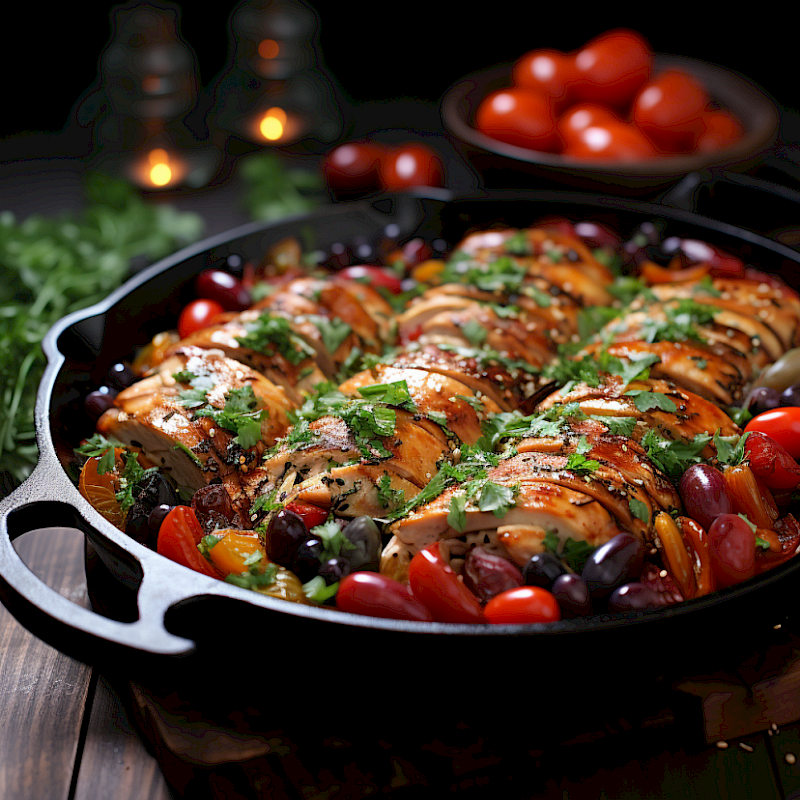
{"x":275,"y":89}
{"x":148,"y":85}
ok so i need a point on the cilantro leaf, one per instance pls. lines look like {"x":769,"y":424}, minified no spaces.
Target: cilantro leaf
{"x":393,"y":394}
{"x":333,"y":331}
{"x":645,"y":401}
{"x":674,"y":457}
{"x":497,"y":498}
{"x":574,"y":553}
{"x":271,"y":334}
{"x":639,"y":510}
{"x":730,"y":449}
{"x":474,"y":332}
{"x":457,"y":515}
{"x":132,"y":475}
{"x":387,"y":496}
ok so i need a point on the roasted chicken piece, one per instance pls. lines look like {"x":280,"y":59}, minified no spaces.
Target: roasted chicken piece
{"x":169,"y":415}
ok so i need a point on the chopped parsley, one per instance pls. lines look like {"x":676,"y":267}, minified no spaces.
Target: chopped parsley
{"x":639,"y":510}
{"x":645,"y":401}
{"x":393,"y":394}
{"x":627,"y":288}
{"x":333,"y":539}
{"x":574,"y":553}
{"x":673,"y":458}
{"x":100,"y":447}
{"x":577,"y":461}
{"x":332,"y":331}
{"x":133,"y":474}
{"x":240,"y":415}
{"x":474,"y":332}
{"x":387,"y":496}
{"x":273,"y":335}
{"x":542,"y":299}
{"x":255,"y":577}
{"x":518,"y":244}
{"x":730,"y":449}
{"x":503,"y":274}
{"x":486,"y":494}
{"x":680,"y":324}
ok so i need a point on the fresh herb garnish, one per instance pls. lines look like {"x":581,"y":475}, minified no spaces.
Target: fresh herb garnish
{"x":673,"y":458}
{"x":387,"y":496}
{"x":577,"y":461}
{"x":133,"y":474}
{"x":271,"y":335}
{"x":255,"y":577}
{"x":730,"y":449}
{"x":393,"y":394}
{"x":645,"y":401}
{"x":503,"y":274}
{"x":639,"y":510}
{"x":474,"y":332}
{"x":574,"y":553}
{"x":240,"y":415}
{"x":333,"y":331}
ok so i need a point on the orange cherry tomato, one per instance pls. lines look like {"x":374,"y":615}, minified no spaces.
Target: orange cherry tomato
{"x":197,"y":315}
{"x":525,"y":604}
{"x":100,"y":489}
{"x":520,"y":117}
{"x":612,"y":67}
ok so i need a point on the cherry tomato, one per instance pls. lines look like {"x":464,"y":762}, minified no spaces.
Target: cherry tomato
{"x":770,"y":462}
{"x":413,"y":164}
{"x":780,"y":424}
{"x":228,"y":291}
{"x":788,"y":533}
{"x":374,"y":595}
{"x":732,"y":550}
{"x":611,"y":68}
{"x":525,"y":604}
{"x":197,"y":315}
{"x":719,"y":129}
{"x":310,"y":514}
{"x":519,"y":117}
{"x":615,"y":141}
{"x":439,"y":589}
{"x":694,"y":251}
{"x":178,"y":537}
{"x":548,"y":72}
{"x":353,"y":166}
{"x":374,"y":276}
{"x":670,"y":111}
{"x":582,"y":116}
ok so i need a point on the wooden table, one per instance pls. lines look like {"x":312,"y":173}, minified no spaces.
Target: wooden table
{"x":67,"y":734}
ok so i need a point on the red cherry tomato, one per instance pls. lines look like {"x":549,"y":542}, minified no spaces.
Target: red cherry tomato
{"x":525,"y":604}
{"x":374,"y":595}
{"x":787,"y":530}
{"x":732,"y":550}
{"x":310,"y":514}
{"x":770,"y":462}
{"x":694,"y":251}
{"x":519,"y":117}
{"x":375,"y":276}
{"x":611,"y":68}
{"x":782,"y":425}
{"x":353,"y":166}
{"x":548,"y":72}
{"x":439,"y":589}
{"x":197,"y":315}
{"x":413,"y":164}
{"x":614,"y":141}
{"x":178,"y":537}
{"x":720,"y":129}
{"x":670,"y":111}
{"x":583,"y":116}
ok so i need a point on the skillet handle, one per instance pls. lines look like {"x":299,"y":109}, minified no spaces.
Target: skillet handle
{"x":73,"y":629}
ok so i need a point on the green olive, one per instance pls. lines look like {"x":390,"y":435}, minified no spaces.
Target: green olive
{"x":783,"y":373}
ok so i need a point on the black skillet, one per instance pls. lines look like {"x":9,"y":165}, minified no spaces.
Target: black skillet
{"x":172,"y":625}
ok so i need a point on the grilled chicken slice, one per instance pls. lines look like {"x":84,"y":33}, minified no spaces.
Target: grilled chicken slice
{"x":713,"y":372}
{"x":350,"y":301}
{"x":453,"y":403}
{"x":286,"y":358}
{"x":414,"y":451}
{"x":356,"y":489}
{"x":540,"y":507}
{"x":506,"y":382}
{"x":693,"y":414}
{"x":151,"y":414}
{"x":620,"y":453}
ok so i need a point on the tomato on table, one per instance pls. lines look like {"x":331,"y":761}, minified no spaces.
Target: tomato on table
{"x":780,"y":424}
{"x":438,"y":588}
{"x":197,"y":315}
{"x":413,"y":164}
{"x":520,"y":117}
{"x":178,"y":537}
{"x":670,"y":111}
{"x":526,"y":604}
{"x":353,"y":166}
{"x":374,"y":595}
{"x":549,"y":72}
{"x":374,"y":276}
{"x":612,"y":67}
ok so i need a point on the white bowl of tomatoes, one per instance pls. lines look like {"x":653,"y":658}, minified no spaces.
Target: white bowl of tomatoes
{"x":611,"y":113}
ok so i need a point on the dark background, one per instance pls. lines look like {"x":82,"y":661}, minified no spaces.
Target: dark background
{"x":380,"y":51}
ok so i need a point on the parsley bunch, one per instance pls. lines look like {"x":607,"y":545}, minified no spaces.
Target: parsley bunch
{"x":271,"y":334}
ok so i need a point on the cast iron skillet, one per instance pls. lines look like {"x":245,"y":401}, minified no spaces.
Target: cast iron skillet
{"x":173,"y":622}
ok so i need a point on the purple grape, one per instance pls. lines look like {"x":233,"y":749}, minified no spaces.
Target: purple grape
{"x":334,"y":569}
{"x":228,"y":291}
{"x":157,"y":516}
{"x":762,"y":398}
{"x":284,"y":534}
{"x":704,"y":494}
{"x":486,"y":574}
{"x":306,"y":562}
{"x":121,"y":375}
{"x":790,"y":396}
{"x":635,"y":597}
{"x":542,"y":570}
{"x":613,"y":563}
{"x":573,"y":597}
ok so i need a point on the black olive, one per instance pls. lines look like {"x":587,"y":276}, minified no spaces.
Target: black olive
{"x":364,"y":534}
{"x":155,"y":490}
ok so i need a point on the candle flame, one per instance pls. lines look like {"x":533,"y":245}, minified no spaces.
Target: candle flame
{"x":268,"y":48}
{"x":272,"y":124}
{"x":160,"y":172}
